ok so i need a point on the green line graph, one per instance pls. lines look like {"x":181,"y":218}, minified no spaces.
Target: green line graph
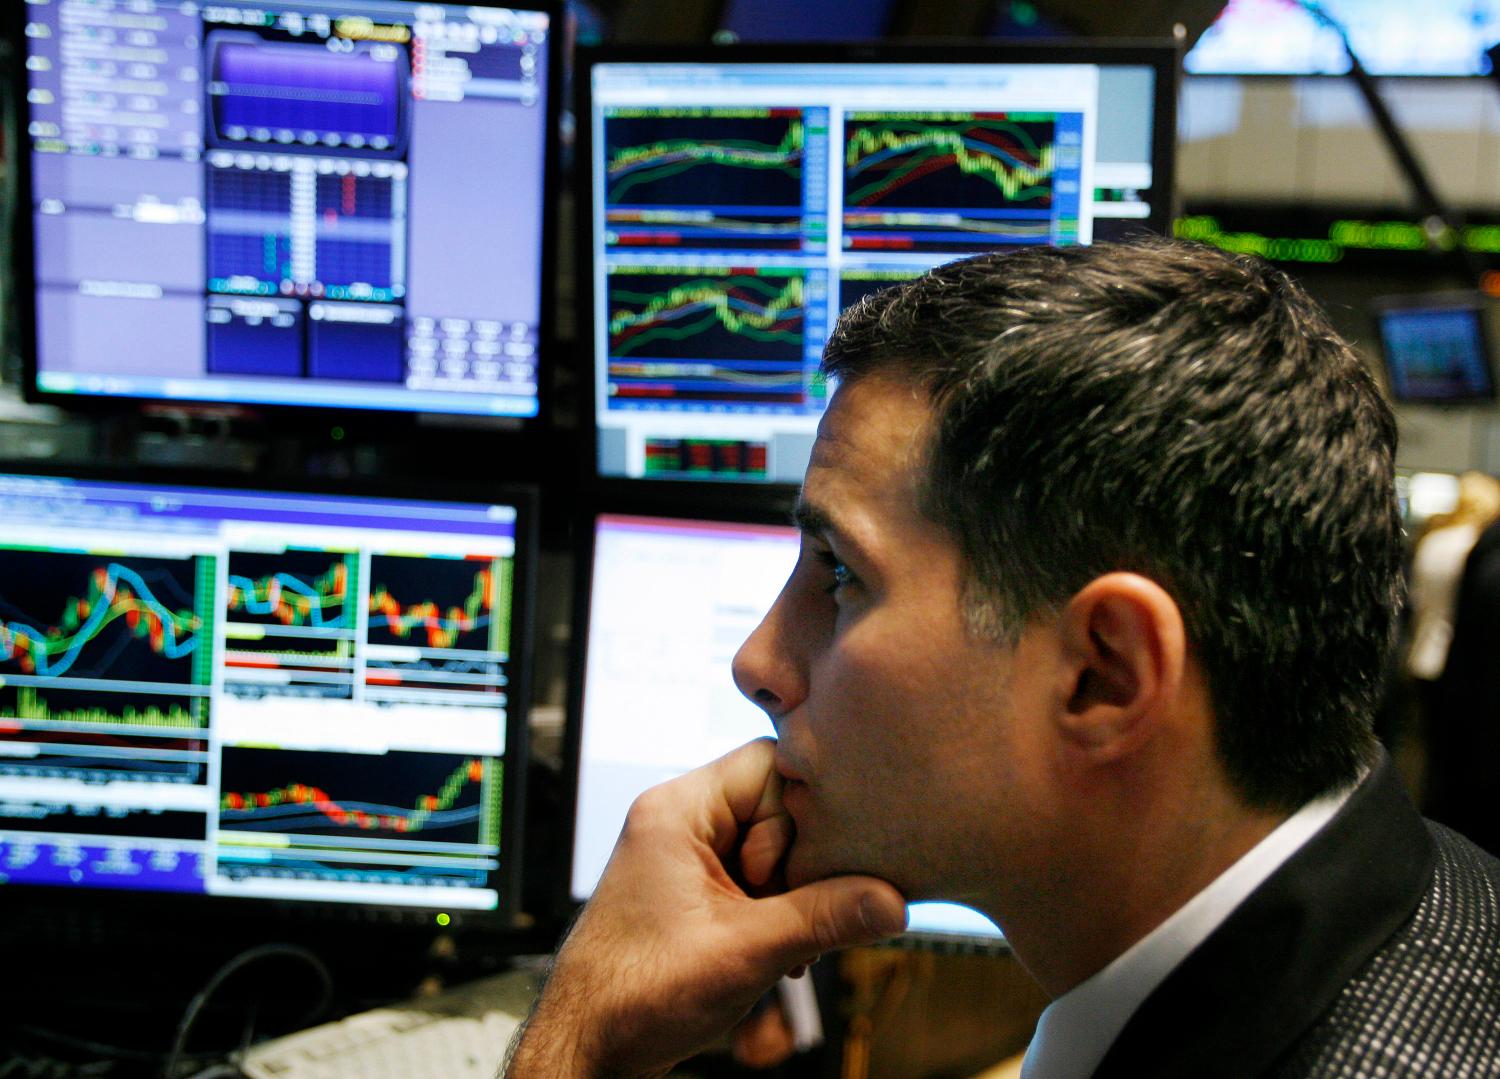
{"x":886,"y":159}
{"x":726,"y":157}
{"x":752,"y":307}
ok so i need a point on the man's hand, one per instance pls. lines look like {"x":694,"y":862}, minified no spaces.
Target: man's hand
{"x":689,"y":926}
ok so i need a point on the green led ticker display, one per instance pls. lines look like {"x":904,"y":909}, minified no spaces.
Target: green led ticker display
{"x":1342,"y":236}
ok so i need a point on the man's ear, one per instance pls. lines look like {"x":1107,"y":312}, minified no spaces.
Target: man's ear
{"x":1125,"y":651}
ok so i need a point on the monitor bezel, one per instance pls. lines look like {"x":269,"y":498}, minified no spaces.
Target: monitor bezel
{"x":274,"y":418}
{"x":1458,"y":300}
{"x":1163,"y":56}
{"x":507,"y":917}
{"x":896,"y":13}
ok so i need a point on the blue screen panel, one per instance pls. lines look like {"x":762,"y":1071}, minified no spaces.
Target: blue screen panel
{"x":256,"y":694}
{"x":1437,"y":355}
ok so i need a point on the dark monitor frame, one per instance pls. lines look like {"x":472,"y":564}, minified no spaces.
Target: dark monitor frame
{"x":675,"y":507}
{"x":1164,"y":57}
{"x":278,"y":419}
{"x":895,"y":13}
{"x":249,"y":916}
{"x":1475,"y":302}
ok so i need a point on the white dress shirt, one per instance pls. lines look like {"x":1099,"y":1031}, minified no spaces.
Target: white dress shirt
{"x":1078,"y":1027}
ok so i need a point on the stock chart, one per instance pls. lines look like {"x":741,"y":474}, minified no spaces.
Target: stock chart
{"x":435,"y":603}
{"x":105,"y":673}
{"x":289,"y":621}
{"x":290,"y":588}
{"x":949,"y":181}
{"x":726,"y":334}
{"x":716,"y":178}
{"x":439,"y":629}
{"x":400,"y":816}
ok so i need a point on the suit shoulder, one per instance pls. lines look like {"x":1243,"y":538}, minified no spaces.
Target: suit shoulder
{"x":1428,"y":1000}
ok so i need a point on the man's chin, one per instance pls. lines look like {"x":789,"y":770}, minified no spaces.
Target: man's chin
{"x":806,"y":864}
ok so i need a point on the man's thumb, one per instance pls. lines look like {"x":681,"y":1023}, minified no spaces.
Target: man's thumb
{"x":840,"y":912}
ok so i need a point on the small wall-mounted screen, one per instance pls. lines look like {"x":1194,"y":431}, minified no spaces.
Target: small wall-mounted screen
{"x":1436,"y":353}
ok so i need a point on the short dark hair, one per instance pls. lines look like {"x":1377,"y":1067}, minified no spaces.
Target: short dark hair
{"x":1168,"y":409}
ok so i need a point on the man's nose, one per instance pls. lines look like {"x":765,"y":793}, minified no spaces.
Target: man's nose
{"x":766,"y":668}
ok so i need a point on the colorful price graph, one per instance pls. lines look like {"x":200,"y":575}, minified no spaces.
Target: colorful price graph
{"x":954,"y":182}
{"x":733,"y":335}
{"x":121,"y":625}
{"x":710,"y":179}
{"x":360,"y":815}
{"x":748,"y":314}
{"x":950,"y":160}
{"x":437,"y":796}
{"x":291,"y":588}
{"x":726,"y":157}
{"x":447,"y":603}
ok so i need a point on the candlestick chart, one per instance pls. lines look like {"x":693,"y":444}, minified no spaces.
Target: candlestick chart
{"x":289,"y":623}
{"x":715,"y":334}
{"x":290,"y":588}
{"x":442,"y":603}
{"x":944,"y":181}
{"x":105,"y":669}
{"x":724,"y":178}
{"x":389,"y":794}
{"x":401,"y":816}
{"x":439,"y":630}
{"x":75,"y":616}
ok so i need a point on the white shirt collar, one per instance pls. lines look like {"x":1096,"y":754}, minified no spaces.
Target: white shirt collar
{"x":1077,"y":1029}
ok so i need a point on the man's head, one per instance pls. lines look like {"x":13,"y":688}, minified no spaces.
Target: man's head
{"x":1181,"y":413}
{"x":1019,"y":426}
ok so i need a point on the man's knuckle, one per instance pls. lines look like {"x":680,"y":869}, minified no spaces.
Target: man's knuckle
{"x":645,"y":811}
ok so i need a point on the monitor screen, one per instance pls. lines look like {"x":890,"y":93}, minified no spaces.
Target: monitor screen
{"x":316,"y":203}
{"x":739,"y":200}
{"x":670,"y":603}
{"x":258,"y":694}
{"x":1435,"y":349}
{"x":1391,"y":37}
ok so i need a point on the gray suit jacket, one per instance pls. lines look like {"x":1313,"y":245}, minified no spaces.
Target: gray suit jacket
{"x":1373,"y":951}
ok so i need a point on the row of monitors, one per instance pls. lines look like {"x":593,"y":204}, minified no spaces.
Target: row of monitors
{"x":341,"y":204}
{"x":309,"y":702}
{"x":347,"y":204}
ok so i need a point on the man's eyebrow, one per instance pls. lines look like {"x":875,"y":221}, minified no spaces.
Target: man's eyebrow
{"x":812,"y":520}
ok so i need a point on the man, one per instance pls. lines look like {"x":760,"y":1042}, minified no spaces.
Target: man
{"x":1098,"y":576}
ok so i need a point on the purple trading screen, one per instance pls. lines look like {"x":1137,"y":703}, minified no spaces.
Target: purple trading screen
{"x":340,"y":206}
{"x":307,"y":90}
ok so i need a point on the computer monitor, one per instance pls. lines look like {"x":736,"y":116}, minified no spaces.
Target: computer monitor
{"x":1391,"y":37}
{"x":738,"y":199}
{"x":1436,"y":348}
{"x":281,"y":700}
{"x":308,"y":204}
{"x":669,"y":601}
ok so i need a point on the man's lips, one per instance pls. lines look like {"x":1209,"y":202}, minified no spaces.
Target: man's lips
{"x":788,"y":769}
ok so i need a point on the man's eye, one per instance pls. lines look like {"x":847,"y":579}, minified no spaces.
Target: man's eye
{"x":842,"y":574}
